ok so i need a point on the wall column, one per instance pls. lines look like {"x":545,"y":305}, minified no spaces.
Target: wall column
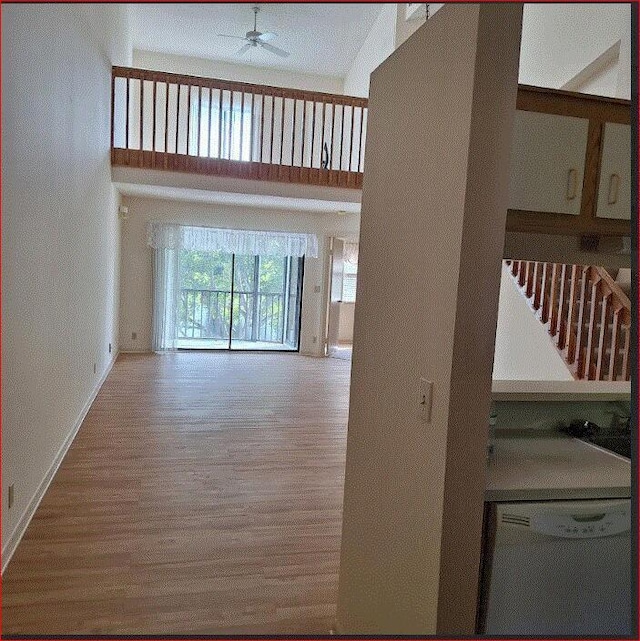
{"x":432,"y":232}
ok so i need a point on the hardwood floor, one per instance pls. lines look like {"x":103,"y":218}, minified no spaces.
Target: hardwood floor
{"x":202,"y":495}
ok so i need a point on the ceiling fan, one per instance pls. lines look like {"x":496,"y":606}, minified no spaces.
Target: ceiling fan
{"x":256,"y":38}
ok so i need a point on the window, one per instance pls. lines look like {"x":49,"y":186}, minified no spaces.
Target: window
{"x":220,"y":133}
{"x":227,"y":288}
{"x":235,"y":301}
{"x":349,"y":280}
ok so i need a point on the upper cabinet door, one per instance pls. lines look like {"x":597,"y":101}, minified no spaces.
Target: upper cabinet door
{"x":614,"y":189}
{"x":547,"y":162}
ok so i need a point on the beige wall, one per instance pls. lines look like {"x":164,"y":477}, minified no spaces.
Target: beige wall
{"x":433,"y":212}
{"x":136,"y":292}
{"x":60,"y":236}
{"x":345,"y":322}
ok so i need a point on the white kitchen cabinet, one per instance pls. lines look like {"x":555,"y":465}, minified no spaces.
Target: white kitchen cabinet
{"x":614,"y":189}
{"x":547,"y":162}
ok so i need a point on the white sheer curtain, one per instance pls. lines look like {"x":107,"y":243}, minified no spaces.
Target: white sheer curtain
{"x":166,"y":289}
{"x":168,"y":239}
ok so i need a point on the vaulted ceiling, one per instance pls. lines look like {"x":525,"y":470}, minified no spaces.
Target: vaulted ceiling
{"x":322,"y":38}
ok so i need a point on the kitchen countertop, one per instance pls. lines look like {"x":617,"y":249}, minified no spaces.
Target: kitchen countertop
{"x":560,"y":390}
{"x":549,"y":467}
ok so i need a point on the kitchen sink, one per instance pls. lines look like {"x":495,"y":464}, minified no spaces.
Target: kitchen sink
{"x":618,"y":444}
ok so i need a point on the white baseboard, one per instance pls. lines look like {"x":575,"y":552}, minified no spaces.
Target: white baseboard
{"x":32,"y":506}
{"x":313,"y":354}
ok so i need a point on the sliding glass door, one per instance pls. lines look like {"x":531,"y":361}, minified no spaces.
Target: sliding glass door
{"x":240,"y":302}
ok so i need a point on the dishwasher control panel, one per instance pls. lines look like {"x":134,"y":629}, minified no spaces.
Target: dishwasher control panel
{"x":570,"y":519}
{"x":582,"y":526}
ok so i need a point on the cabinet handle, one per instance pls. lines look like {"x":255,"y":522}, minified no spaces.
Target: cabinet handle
{"x":572,"y":184}
{"x":614,"y":187}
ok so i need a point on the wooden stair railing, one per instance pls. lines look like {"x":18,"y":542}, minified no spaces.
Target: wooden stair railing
{"x":585,"y":312}
{"x":217,"y":127}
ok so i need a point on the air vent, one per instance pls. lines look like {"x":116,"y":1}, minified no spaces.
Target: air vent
{"x":516,"y":519}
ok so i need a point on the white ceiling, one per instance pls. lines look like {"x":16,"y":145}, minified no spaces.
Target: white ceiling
{"x":323,"y":38}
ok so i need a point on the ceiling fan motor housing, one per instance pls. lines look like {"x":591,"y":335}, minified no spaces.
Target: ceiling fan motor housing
{"x":257,"y":38}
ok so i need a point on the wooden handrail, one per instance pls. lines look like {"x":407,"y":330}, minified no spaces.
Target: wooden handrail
{"x":234,"y":85}
{"x":614,"y":288}
{"x":586,"y":314}
{"x":178,"y":122}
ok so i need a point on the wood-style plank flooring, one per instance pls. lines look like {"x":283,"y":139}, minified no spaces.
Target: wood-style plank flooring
{"x":202,"y":495}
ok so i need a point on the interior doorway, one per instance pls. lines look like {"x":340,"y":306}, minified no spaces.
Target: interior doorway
{"x":342,"y":297}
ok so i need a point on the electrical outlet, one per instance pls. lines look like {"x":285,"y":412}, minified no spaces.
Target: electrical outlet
{"x":134,"y":336}
{"x":109,"y":348}
{"x":12,"y":495}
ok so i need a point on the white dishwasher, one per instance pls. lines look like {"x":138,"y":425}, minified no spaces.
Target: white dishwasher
{"x":558,"y":568}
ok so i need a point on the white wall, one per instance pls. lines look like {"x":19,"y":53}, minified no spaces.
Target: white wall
{"x":345,"y":322}
{"x":379,"y":43}
{"x":240,"y":73}
{"x":560,"y":40}
{"x":136,"y":293}
{"x":112,"y":36}
{"x":524,"y":350}
{"x":60,"y":235}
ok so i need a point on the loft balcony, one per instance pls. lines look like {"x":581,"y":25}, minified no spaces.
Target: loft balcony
{"x":212,"y":127}
{"x":302,"y":144}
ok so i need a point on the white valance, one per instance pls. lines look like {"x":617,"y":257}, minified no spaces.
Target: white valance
{"x":232,"y":241}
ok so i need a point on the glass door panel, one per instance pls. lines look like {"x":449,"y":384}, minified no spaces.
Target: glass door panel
{"x":259,"y":303}
{"x":244,"y":301}
{"x":204,"y":306}
{"x":271,"y":299}
{"x":240,"y":302}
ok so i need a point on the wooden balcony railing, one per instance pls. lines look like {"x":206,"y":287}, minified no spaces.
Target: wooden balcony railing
{"x":218,"y":127}
{"x":586,"y":313}
{"x":206,"y":314}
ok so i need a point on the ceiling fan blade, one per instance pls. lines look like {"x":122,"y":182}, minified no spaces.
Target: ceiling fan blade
{"x":244,"y":49}
{"x":279,"y":52}
{"x":267,"y":36}
{"x":224,"y":35}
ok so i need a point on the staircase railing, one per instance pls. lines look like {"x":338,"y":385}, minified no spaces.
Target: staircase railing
{"x":218,"y":127}
{"x":586,"y":313}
